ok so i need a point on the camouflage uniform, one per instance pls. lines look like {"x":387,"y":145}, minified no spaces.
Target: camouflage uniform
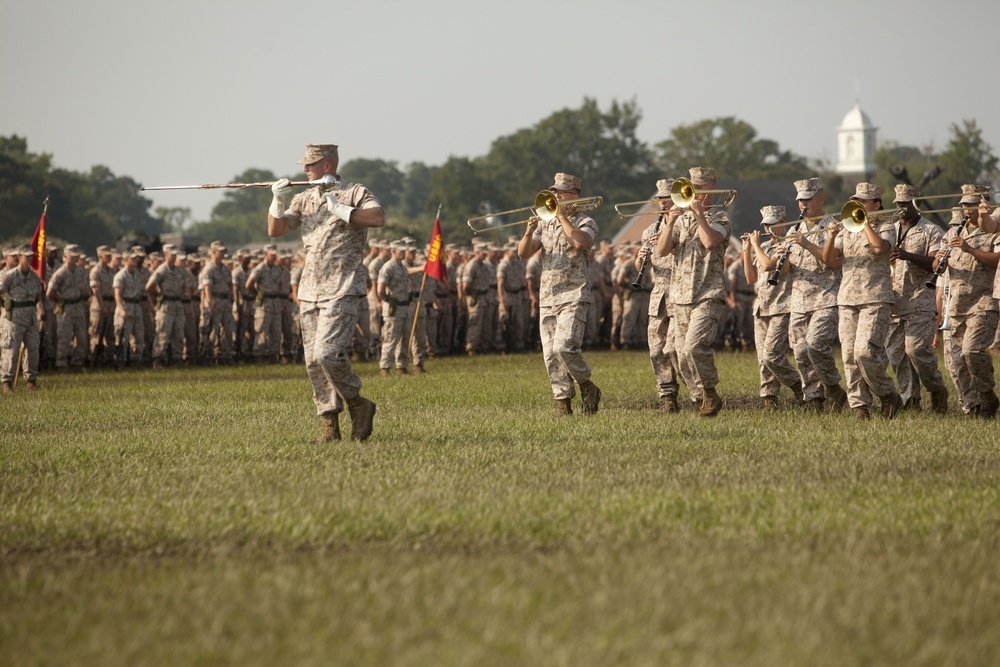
{"x":533,"y":275}
{"x":812,"y":325}
{"x":973,"y":314}
{"x":70,"y":288}
{"x":375,"y":306}
{"x":129,"y":326}
{"x":864,"y":301}
{"x":564,"y":297}
{"x":191,"y":304}
{"x":215,"y":282}
{"x":511,"y":271}
{"x":744,"y":322}
{"x":913,"y":320}
{"x":332,"y":284}
{"x":170,"y":317}
{"x":102,"y":311}
{"x":22,"y":289}
{"x":148,"y":311}
{"x":492,"y":333}
{"x":772,"y":314}
{"x":698,"y":293}
{"x":397,"y":315}
{"x":662,"y":354}
{"x":244,"y":313}
{"x":267,"y":315}
{"x":477,"y":284}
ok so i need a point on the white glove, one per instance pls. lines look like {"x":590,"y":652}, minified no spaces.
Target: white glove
{"x":279,"y":189}
{"x":338,"y":210}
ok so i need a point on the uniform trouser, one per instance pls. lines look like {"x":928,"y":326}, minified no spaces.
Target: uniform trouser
{"x":970,"y":337}
{"x":460,"y":334}
{"x":267,"y":324}
{"x":327,"y":328}
{"x":12,"y":336}
{"x":50,"y":336}
{"x":635,"y":312}
{"x":476,"y":340}
{"x":148,"y":326}
{"x":217,"y":330}
{"x":746,"y":326}
{"x":73,"y":325}
{"x":696,"y":325}
{"x":562,"y":330}
{"x":170,"y":321}
{"x":395,"y":335}
{"x":811,"y":336}
{"x":771,"y":341}
{"x":593,"y":325}
{"x":911,"y":355}
{"x":129,"y":331}
{"x":102,"y":330}
{"x":616,"y":319}
{"x":515,"y":322}
{"x":245,"y":332}
{"x":374,"y":319}
{"x":863,"y":332}
{"x":419,"y":345}
{"x":191,"y":337}
{"x":661,"y":353}
{"x":446,"y":325}
{"x":491,"y":325}
{"x":361,"y":342}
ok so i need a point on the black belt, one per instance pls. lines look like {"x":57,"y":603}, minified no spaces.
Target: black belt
{"x":171,"y":298}
{"x":108,"y":298}
{"x":185,"y":299}
{"x":403,"y":303}
{"x":224,"y":295}
{"x":515,"y":291}
{"x":71,"y":302}
{"x":21,"y":304}
{"x":137,"y":300}
{"x":274,"y":296}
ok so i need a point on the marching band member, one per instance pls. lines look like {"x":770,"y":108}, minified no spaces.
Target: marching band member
{"x":913,"y":320}
{"x":972,"y":267}
{"x":864,"y":301}
{"x":772,"y":310}
{"x":812,"y":326}
{"x":697,"y":238}
{"x":564,"y":295}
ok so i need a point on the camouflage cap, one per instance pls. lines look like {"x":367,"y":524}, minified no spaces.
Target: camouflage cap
{"x":130,"y":254}
{"x":771,"y":215}
{"x":103,"y":250}
{"x":170,"y":249}
{"x":906,"y":192}
{"x":973,"y":194}
{"x":217,"y":245}
{"x":807,"y":188}
{"x":9,"y":250}
{"x":156,"y":256}
{"x":477,"y":247}
{"x":25,"y":251}
{"x":868,"y":191}
{"x":72,"y":250}
{"x":285,"y":254}
{"x":194,"y":257}
{"x":565,"y":182}
{"x":271,"y":247}
{"x":702,"y":175}
{"x":397,"y":245}
{"x":241,"y":253}
{"x":317,"y":152}
{"x":138,"y":250}
{"x":116,"y":253}
{"x":181,"y":255}
{"x":663,"y":188}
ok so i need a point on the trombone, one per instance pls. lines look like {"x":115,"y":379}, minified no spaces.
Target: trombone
{"x":545,"y":207}
{"x":327,"y":181}
{"x":683,"y":192}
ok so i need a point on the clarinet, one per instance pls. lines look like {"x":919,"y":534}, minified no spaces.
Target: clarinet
{"x":942,"y":264}
{"x":776,"y":274}
{"x":642,"y":267}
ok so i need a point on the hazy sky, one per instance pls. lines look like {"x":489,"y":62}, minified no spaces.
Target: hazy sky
{"x":187,"y":91}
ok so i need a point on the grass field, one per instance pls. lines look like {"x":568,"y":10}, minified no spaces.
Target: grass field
{"x":188,"y":518}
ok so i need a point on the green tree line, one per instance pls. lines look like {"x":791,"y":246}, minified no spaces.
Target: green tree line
{"x":600,"y":146}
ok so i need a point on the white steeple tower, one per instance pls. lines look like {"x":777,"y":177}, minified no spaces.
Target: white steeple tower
{"x":856,"y":144}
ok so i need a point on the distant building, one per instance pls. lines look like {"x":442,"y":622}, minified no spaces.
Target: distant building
{"x":856,"y":146}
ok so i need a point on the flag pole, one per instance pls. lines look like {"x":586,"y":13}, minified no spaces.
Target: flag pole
{"x":423,"y":281}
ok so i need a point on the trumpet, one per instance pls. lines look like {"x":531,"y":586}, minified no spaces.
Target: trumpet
{"x":545,"y":207}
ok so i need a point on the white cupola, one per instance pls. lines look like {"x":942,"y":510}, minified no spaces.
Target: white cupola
{"x":855,"y":143}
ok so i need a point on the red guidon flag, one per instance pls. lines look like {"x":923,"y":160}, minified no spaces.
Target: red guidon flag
{"x":435,"y":266}
{"x":38,"y":262}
